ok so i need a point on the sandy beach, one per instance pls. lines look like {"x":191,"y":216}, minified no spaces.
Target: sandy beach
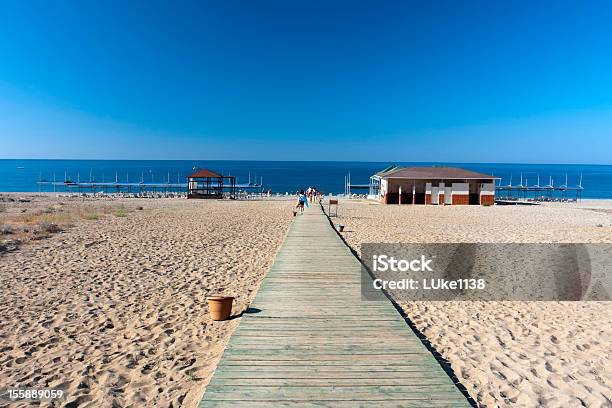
{"x":507,"y":354}
{"x":158,"y":157}
{"x":106,"y":299}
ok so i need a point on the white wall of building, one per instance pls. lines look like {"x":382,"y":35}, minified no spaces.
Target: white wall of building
{"x":434,"y":194}
{"x":384,"y":187}
{"x":461,"y":188}
{"x":487,"y":189}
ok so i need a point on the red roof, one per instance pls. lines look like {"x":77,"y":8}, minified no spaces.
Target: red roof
{"x":205,"y":173}
{"x":432,"y":173}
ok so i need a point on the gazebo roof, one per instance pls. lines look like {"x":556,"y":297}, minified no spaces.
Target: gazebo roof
{"x":203,"y":173}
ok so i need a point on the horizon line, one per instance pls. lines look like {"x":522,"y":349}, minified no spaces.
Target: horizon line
{"x":315,"y":161}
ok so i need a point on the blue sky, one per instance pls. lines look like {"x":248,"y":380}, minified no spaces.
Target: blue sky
{"x":477,"y":81}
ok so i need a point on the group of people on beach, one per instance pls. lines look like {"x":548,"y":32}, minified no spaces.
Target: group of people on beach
{"x":312,"y":195}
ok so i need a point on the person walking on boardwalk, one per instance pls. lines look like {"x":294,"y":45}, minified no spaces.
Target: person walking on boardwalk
{"x":302,"y":201}
{"x":314,"y":195}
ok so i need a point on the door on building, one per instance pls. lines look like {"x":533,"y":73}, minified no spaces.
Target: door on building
{"x":434,"y":195}
{"x":448,"y":195}
{"x":474,"y":190}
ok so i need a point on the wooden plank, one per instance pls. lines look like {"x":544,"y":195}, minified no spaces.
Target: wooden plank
{"x":362,"y":362}
{"x":291,"y":380}
{"x":339,"y":372}
{"x":380,"y":393}
{"x":415,"y":391}
{"x":315,"y":343}
{"x":322,"y":341}
{"x":398,"y":403}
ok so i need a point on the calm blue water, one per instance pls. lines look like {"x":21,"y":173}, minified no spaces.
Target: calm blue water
{"x":281,"y":176}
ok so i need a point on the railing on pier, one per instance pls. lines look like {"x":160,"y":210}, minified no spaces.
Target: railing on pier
{"x":141,"y":188}
{"x":349,"y":187}
{"x":536,"y":192}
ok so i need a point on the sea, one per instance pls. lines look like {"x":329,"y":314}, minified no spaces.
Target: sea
{"x":22,"y":175}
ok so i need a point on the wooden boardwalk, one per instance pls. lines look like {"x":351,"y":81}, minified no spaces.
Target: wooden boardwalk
{"x":315,"y":343}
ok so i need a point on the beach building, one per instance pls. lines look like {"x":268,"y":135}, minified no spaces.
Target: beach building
{"x":432,"y":185}
{"x":209,"y":184}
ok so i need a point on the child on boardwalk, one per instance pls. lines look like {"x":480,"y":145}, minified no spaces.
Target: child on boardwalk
{"x":302,"y":201}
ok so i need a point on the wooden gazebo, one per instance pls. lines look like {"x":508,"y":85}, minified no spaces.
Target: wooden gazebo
{"x":208,"y":184}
